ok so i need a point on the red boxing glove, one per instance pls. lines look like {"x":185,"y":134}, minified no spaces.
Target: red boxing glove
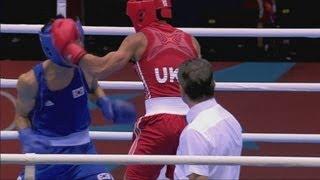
{"x":67,"y":40}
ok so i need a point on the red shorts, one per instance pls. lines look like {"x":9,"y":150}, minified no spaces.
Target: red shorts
{"x":155,"y":135}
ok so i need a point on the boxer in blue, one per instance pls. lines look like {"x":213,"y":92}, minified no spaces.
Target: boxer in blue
{"x":52,"y":113}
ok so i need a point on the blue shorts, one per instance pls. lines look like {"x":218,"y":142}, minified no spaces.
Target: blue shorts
{"x":67,"y":171}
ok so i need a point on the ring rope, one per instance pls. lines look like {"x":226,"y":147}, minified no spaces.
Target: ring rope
{"x":220,"y":86}
{"x":160,"y":159}
{"x":247,"y":137}
{"x":201,"y":32}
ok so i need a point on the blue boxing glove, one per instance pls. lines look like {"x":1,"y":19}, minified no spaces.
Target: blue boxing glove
{"x":117,"y":110}
{"x":31,"y":142}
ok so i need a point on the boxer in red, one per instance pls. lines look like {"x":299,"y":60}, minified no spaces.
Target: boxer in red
{"x":157,"y":49}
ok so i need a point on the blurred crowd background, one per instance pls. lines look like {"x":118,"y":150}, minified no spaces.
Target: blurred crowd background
{"x":187,"y":13}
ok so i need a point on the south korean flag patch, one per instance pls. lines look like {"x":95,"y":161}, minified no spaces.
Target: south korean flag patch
{"x":78,"y":92}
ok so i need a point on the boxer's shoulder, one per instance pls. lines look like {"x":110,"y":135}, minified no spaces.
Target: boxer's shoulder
{"x":136,"y":39}
{"x":27,"y":82}
{"x":133,"y":46}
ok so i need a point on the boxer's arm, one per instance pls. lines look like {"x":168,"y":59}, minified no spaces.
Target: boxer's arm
{"x":101,"y":67}
{"x":197,"y":46}
{"x":96,"y":91}
{"x":194,"y":176}
{"x":120,"y":111}
{"x":26,"y":92}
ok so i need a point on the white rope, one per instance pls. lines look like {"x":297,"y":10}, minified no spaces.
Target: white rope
{"x":204,"y":32}
{"x":160,"y":159}
{"x":281,"y":138}
{"x":247,"y":137}
{"x":220,"y":86}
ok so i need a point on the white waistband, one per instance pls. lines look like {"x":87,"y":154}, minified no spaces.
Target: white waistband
{"x":74,"y":139}
{"x":168,"y":105}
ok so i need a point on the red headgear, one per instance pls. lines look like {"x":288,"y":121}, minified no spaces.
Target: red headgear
{"x":143,"y":12}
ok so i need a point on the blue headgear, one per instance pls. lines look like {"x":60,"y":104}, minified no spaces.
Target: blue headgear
{"x":48,"y":47}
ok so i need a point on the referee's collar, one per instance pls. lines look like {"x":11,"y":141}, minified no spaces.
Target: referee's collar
{"x":198,"y":108}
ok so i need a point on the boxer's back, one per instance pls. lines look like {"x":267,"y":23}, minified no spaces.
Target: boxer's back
{"x":167,"y":48}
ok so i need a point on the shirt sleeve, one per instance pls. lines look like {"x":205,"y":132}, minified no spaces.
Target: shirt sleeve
{"x":194,"y":143}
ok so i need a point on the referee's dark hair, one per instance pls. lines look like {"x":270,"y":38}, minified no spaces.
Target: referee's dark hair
{"x":196,"y":79}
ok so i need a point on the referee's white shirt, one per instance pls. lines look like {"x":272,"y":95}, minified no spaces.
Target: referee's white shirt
{"x":211,"y":130}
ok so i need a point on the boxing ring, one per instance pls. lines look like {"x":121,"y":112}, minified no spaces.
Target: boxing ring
{"x":265,"y":161}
